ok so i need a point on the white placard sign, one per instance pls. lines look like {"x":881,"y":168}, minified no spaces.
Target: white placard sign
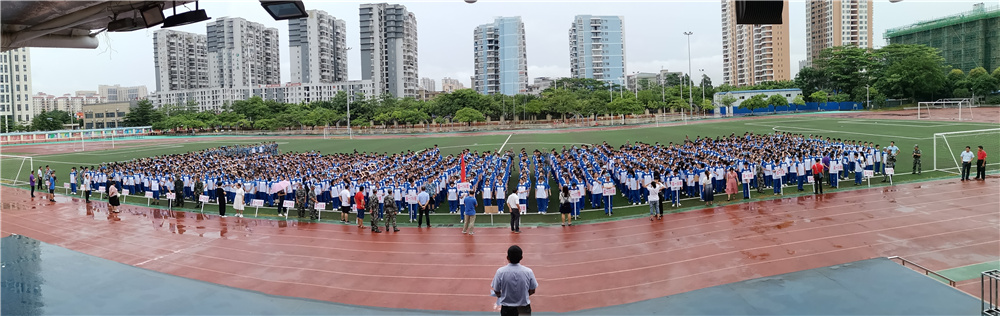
{"x":288,"y":204}
{"x":747,"y":175}
{"x":148,"y":195}
{"x":779,"y":172}
{"x":203,"y":198}
{"x":837,"y":167}
{"x":890,"y":171}
{"x":575,"y":194}
{"x":66,"y":185}
{"x":523,"y":208}
{"x":411,"y":199}
{"x":810,"y":179}
{"x":320,"y":206}
{"x":464,"y":186}
{"x":869,"y":173}
{"x":609,"y":191}
{"x":101,"y":188}
{"x":257,"y":203}
{"x":676,"y":184}
{"x":171,"y":196}
{"x":125,"y":192}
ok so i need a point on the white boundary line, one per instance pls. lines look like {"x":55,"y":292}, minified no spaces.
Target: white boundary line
{"x":505,"y":143}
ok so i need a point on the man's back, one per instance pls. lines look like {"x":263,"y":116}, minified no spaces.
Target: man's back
{"x":514,"y":282}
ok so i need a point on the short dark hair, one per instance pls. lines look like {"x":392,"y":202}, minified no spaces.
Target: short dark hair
{"x":980,"y":147}
{"x":514,"y":254}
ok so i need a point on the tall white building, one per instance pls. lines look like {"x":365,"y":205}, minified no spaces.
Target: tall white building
{"x":752,"y":54}
{"x":428,"y":84}
{"x":242,"y":53}
{"x":449,"y":85}
{"x":212,"y":99}
{"x":66,"y":102}
{"x":389,"y":49}
{"x":318,"y":48}
{"x":501,"y":60}
{"x":15,"y":86}
{"x":832,"y":23}
{"x":597,"y":48}
{"x":117,"y":93}
{"x":180,"y":59}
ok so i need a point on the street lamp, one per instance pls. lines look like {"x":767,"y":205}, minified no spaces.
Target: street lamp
{"x":350,"y":133}
{"x":690,"y":97}
{"x":635,"y":84}
{"x":868,"y":96}
{"x":702,"y":85}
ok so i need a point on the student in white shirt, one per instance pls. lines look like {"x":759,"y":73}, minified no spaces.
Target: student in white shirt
{"x":515,"y":213}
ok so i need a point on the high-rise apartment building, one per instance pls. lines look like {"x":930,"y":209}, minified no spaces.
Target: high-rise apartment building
{"x":832,"y":23}
{"x":752,"y":54}
{"x":15,"y":86}
{"x":67,"y":102}
{"x":597,"y":48}
{"x":118,"y":93}
{"x":428,"y":84}
{"x":501,"y":60}
{"x":180,"y":60}
{"x":449,"y":85}
{"x":242,"y":53}
{"x":318,"y":48}
{"x":966,"y":40}
{"x":389,"y":49}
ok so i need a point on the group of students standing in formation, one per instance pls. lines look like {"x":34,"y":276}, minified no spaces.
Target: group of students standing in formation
{"x":586,"y":176}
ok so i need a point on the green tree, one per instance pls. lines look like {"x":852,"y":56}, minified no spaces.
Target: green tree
{"x":50,"y":120}
{"x":981,"y":83}
{"x":706,"y":105}
{"x":469,"y":115}
{"x":728,"y":100}
{"x":798,"y":101}
{"x":625,"y":106}
{"x":810,"y":80}
{"x":996,"y":75}
{"x":759,"y":101}
{"x":820,"y":96}
{"x":846,"y":68}
{"x":961,"y":93}
{"x":777,"y":100}
{"x":913,"y":71}
{"x":142,"y":114}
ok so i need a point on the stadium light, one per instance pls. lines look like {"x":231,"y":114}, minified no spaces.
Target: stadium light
{"x":284,"y":10}
{"x":186,"y":18}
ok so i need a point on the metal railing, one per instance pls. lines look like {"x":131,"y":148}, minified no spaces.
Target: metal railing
{"x":989,"y":294}
{"x":926,"y":270}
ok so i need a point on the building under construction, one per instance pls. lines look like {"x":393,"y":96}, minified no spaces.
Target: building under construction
{"x":967,"y":40}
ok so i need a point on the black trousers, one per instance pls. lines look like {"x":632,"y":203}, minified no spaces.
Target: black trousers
{"x":33,"y":191}
{"x":515,"y":310}
{"x":818,"y":183}
{"x":515,"y":220}
{"x":222,"y":207}
{"x":421,"y":213}
{"x":966,"y":166}
{"x":86,"y":195}
{"x":980,"y":169}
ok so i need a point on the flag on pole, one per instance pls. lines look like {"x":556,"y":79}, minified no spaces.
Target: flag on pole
{"x":463,"y":167}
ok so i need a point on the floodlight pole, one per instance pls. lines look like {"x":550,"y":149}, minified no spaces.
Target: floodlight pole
{"x":868,"y":96}
{"x":690,"y":86}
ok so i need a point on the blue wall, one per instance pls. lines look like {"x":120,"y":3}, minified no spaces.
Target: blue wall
{"x":809,"y":107}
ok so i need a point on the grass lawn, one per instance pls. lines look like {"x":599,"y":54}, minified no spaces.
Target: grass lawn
{"x":906,"y":133}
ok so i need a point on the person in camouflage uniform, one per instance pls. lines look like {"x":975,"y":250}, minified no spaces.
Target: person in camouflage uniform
{"x":372,"y":208}
{"x":390,"y":213}
{"x":199,"y":189}
{"x":300,"y":200}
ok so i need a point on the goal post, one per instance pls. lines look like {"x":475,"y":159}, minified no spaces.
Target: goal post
{"x":948,"y":146}
{"x":330,"y":132}
{"x":14,"y":169}
{"x":963,"y":106}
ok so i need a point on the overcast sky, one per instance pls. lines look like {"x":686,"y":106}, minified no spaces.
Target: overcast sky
{"x":653,"y":34}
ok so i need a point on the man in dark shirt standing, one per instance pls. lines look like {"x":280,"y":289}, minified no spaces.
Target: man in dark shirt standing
{"x":178,"y":191}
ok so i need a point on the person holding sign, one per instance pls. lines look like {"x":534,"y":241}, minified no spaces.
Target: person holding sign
{"x":609,"y":192}
{"x":653,"y":198}
{"x":890,"y":164}
{"x":238,"y":201}
{"x":515,"y":213}
{"x":564,"y":208}
{"x":859,"y":168}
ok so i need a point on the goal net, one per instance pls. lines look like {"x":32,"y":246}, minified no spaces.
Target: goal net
{"x":945,"y":109}
{"x":330,"y":132}
{"x":948,"y":147}
{"x":15,"y":170}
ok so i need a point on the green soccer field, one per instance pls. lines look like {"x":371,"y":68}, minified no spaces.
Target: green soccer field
{"x":905,"y":133}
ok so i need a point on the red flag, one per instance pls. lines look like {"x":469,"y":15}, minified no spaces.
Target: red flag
{"x":463,"y":167}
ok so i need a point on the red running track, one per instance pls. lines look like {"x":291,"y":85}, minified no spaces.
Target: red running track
{"x":941,"y":224}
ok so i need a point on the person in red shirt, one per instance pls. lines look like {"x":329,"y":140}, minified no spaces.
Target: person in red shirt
{"x":817,"y":170}
{"x":981,"y":164}
{"x":359,"y":204}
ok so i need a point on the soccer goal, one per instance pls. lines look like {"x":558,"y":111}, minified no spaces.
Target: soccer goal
{"x":330,"y":132}
{"x":948,"y":146}
{"x":945,"y":108}
{"x":14,"y":169}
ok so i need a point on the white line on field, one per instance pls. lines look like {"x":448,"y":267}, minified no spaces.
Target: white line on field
{"x":505,"y":143}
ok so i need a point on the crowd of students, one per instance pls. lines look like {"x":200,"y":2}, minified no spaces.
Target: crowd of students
{"x":591,"y":176}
